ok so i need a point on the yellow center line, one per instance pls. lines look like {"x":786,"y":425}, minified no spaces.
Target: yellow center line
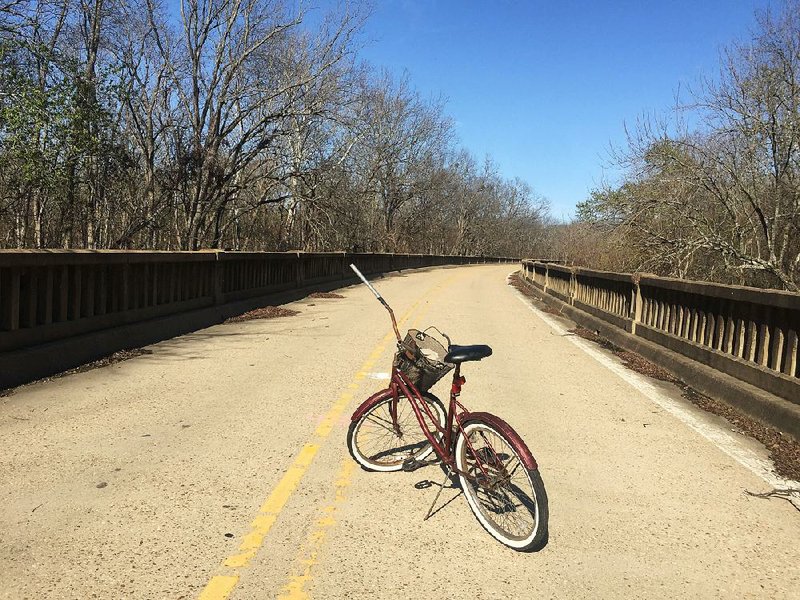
{"x":295,"y":589}
{"x":307,"y":556}
{"x":221,"y":586}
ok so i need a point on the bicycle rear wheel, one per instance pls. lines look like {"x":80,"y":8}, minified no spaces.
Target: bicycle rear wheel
{"x":376,"y":445}
{"x":507,"y":498}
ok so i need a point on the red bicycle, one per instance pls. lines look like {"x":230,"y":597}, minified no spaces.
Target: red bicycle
{"x":399,"y":427}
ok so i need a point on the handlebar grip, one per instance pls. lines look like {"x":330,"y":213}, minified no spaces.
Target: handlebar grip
{"x":368,"y":284}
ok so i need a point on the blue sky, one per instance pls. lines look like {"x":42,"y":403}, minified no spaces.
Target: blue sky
{"x":544,"y":86}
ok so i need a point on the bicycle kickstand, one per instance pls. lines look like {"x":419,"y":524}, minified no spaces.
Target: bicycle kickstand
{"x":439,"y":493}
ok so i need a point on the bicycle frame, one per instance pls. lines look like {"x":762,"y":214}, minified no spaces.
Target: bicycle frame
{"x":445,"y":450}
{"x":485,"y":458}
{"x":400,"y":383}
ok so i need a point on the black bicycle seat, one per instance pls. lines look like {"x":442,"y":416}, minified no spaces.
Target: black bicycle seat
{"x":459,"y":354}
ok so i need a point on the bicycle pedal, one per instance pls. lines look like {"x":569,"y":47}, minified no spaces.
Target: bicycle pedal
{"x":411,"y":464}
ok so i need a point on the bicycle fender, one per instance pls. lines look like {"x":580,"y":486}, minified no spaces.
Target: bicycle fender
{"x":525,"y":454}
{"x":370,"y":402}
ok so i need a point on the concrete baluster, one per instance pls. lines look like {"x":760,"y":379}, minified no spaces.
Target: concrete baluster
{"x":636,"y":307}
{"x":101,"y":293}
{"x":790,"y":363}
{"x":723,"y":325}
{"x":748,"y":331}
{"x":702,"y":317}
{"x":741,"y":332}
{"x":127,"y":284}
{"x":11,"y":301}
{"x":672,"y":311}
{"x":730,"y":326}
{"x":762,"y":354}
{"x":711,"y":325}
{"x":661,"y":324}
{"x":778,"y":340}
{"x":46,"y":316}
{"x":571,"y":286}
{"x":30,"y":285}
{"x":694,"y":318}
{"x":682,"y":317}
{"x":218,"y":279}
{"x":75,"y":296}
{"x":63,"y":294}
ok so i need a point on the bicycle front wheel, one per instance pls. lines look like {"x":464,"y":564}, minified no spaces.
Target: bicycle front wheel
{"x":378,"y":442}
{"x":507,"y":498}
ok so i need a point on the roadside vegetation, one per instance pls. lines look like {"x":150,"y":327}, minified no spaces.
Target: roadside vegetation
{"x":247,"y":125}
{"x":712,"y":190}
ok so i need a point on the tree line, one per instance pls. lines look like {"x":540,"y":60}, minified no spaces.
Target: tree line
{"x":711,"y":191}
{"x":238,"y":124}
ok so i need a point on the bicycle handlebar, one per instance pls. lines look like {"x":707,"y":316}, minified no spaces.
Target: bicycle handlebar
{"x":367,"y":283}
{"x":380,"y":298}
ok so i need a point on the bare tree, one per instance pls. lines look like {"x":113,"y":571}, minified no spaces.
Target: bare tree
{"x":229,"y":123}
{"x":722,"y":200}
{"x":237,"y":85}
{"x":404,"y":142}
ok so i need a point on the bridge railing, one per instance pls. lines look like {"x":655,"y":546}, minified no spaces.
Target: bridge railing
{"x":50,"y":295}
{"x":608,"y":295}
{"x":746,"y":332}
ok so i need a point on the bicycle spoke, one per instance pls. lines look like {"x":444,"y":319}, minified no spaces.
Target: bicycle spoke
{"x":507,"y":512}
{"x":511,"y":475}
{"x":502,"y":490}
{"x":380,"y":423}
{"x":386,"y":441}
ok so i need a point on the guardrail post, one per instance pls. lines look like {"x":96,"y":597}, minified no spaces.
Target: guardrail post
{"x":546,"y":278}
{"x":218,"y":279}
{"x":124,"y":288}
{"x":30,"y":303}
{"x":573,"y":285}
{"x":11,"y":316}
{"x":77,"y":298}
{"x":300,"y":274}
{"x":62,"y":313}
{"x":636,"y":303}
{"x":88,"y":296}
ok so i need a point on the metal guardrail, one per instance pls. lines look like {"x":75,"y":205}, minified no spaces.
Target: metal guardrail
{"x":50,"y":295}
{"x":746,"y":332}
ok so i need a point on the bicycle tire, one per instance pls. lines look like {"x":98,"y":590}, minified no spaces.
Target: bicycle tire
{"x":499,"y":505}
{"x":386,"y":451}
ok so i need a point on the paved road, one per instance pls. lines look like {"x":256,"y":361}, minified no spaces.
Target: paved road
{"x":218,"y":463}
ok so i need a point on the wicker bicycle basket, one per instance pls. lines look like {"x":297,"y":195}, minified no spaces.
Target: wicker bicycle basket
{"x":421,"y":358}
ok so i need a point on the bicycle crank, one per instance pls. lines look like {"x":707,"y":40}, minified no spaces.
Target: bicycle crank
{"x":412,"y":464}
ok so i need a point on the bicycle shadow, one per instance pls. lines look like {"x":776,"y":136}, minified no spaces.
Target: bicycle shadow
{"x":453,"y":485}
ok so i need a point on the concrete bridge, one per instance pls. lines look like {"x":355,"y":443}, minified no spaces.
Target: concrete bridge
{"x":214,"y":464}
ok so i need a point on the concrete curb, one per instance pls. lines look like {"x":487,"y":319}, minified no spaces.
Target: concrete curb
{"x":757,"y":403}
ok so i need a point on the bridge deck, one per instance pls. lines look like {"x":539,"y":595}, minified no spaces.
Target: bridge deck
{"x":143,"y":478}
